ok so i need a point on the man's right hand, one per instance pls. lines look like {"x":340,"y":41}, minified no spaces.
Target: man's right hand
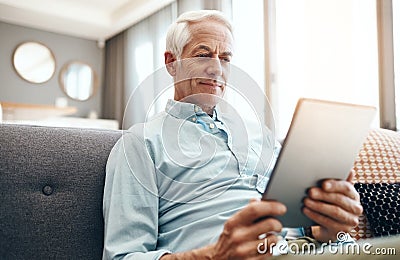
{"x":240,"y":236}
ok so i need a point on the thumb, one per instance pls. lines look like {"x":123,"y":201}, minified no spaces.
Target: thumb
{"x":350,"y":177}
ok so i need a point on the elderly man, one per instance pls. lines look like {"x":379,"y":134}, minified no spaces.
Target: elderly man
{"x":166,"y":197}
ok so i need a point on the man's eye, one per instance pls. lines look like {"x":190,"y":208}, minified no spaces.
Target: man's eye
{"x":202,"y":55}
{"x":225,"y":59}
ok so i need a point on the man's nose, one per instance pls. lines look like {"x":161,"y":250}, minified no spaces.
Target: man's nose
{"x":214,"y":67}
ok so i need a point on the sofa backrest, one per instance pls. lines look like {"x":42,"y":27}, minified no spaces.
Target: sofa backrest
{"x":51,"y":188}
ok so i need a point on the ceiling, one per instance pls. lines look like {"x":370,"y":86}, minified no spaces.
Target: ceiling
{"x":88,"y":19}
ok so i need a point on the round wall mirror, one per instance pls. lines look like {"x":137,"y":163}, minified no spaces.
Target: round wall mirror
{"x":34,"y":62}
{"x":78,"y":80}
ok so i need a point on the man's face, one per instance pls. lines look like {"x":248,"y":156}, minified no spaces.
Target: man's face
{"x":204,"y":65}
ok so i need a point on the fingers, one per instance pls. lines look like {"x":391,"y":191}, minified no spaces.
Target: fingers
{"x":333,"y":204}
{"x":332,"y":212}
{"x":350,"y":177}
{"x":342,"y":201}
{"x":241,"y":245}
{"x":326,"y":221}
{"x":254,"y":200}
{"x":342,"y":194}
{"x":335,"y":207}
{"x":240,"y":236}
{"x":343,"y":187}
{"x":265,"y":226}
{"x":254,"y":211}
{"x":257,"y":249}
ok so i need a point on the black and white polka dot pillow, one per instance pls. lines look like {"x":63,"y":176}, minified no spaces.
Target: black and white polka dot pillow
{"x":381,"y":202}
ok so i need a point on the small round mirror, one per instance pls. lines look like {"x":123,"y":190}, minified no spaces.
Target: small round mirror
{"x":78,"y":80}
{"x":34,"y":62}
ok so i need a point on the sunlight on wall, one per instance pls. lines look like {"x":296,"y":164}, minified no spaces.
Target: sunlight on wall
{"x":248,"y":57}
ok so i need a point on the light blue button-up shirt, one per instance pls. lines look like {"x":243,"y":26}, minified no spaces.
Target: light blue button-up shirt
{"x":172,"y":182}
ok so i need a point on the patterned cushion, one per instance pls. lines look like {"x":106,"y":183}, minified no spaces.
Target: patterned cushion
{"x":377,"y":162}
{"x":381,"y":204}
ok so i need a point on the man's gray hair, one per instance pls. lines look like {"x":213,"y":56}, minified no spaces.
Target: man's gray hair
{"x":179,"y":34}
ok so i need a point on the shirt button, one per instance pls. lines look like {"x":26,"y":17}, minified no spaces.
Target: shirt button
{"x":212,"y":125}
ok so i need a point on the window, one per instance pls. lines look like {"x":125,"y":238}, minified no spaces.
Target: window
{"x":324,"y":49}
{"x":248,"y":60}
{"x":248,"y":23}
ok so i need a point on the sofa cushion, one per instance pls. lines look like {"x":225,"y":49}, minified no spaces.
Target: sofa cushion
{"x":381,"y":204}
{"x":51,"y":185}
{"x":377,"y":162}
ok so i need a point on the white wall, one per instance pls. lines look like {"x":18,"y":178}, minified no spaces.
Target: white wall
{"x":65,"y":49}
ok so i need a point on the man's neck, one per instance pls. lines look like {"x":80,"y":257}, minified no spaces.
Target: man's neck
{"x":209,"y":109}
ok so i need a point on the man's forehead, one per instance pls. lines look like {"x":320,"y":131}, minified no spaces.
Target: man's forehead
{"x":225,"y":50}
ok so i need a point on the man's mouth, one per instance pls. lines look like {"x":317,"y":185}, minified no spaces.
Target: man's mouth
{"x":213,"y":84}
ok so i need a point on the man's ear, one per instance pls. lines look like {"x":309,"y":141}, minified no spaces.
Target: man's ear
{"x":170,"y":63}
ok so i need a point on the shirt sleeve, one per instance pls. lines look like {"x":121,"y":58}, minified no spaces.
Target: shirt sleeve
{"x":130,"y":202}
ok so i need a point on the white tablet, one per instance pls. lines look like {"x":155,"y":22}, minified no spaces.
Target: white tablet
{"x":323,"y":141}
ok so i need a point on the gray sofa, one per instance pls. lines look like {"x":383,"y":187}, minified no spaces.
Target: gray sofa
{"x":51,"y":185}
{"x":51,"y":191}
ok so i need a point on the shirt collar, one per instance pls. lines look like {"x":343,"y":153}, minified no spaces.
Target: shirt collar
{"x":186,"y":111}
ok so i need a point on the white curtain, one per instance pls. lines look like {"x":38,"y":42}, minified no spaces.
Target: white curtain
{"x":144,"y":55}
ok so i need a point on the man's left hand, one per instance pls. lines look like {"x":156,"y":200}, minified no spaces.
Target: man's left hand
{"x":335,"y":206}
